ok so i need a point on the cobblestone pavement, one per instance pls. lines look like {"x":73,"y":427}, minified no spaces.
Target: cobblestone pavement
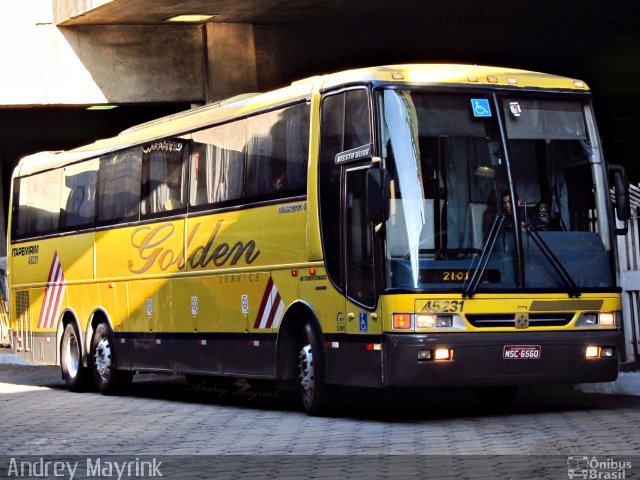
{"x":162,"y":415}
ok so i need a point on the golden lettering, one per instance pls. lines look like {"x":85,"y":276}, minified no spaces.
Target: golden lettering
{"x":150,"y":244}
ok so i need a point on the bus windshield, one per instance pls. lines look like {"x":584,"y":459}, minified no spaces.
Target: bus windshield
{"x":460,"y":169}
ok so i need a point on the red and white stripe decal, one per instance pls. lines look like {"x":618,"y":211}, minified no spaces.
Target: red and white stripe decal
{"x":52,"y":295}
{"x":271,"y":308}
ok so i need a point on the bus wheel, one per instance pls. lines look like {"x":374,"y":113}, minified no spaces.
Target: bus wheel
{"x":103,"y":362}
{"x":74,"y":374}
{"x":314,"y":392}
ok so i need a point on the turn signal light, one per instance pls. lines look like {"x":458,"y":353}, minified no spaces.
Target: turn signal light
{"x":401,"y":321}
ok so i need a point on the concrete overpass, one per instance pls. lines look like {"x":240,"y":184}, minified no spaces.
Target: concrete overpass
{"x":60,"y":56}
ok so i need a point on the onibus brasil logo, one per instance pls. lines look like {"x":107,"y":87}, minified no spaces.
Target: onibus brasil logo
{"x":594,"y":468}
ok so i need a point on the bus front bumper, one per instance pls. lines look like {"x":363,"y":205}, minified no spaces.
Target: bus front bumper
{"x":494,"y":359}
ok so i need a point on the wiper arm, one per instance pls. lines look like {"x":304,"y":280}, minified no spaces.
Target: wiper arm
{"x":484,"y":256}
{"x":574,"y":290}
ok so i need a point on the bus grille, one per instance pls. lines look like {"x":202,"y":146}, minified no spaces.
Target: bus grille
{"x":509,"y":320}
{"x":23,"y":325}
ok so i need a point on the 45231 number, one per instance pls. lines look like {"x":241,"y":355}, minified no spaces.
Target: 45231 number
{"x":442,"y":306}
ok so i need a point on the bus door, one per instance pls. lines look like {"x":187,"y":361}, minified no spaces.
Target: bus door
{"x":360,"y":359}
{"x":358,"y":254}
{"x":347,"y":236}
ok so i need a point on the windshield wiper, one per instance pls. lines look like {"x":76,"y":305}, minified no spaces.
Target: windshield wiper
{"x":487,"y":248}
{"x":574,"y":290}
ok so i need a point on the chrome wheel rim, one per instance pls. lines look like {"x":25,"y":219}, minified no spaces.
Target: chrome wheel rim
{"x":305,"y":367}
{"x":103,"y":358}
{"x":72,"y":357}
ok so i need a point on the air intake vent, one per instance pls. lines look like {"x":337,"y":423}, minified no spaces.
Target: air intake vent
{"x":24,"y":337}
{"x":509,"y":320}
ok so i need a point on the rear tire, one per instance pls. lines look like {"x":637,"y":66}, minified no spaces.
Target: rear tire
{"x":109,"y":379}
{"x":77,"y":377}
{"x":315,"y":393}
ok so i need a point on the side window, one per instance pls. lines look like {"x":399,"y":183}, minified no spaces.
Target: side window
{"x":21,"y":214}
{"x":357,"y":119}
{"x":217,"y":164}
{"x":79,"y":194}
{"x":345,"y":124}
{"x":296,"y":121}
{"x":163,"y":176}
{"x":38,"y":204}
{"x":277,"y":151}
{"x":119,"y":186}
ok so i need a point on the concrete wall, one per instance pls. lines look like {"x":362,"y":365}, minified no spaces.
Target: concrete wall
{"x":231,"y":60}
{"x":47,"y":65}
{"x":92,"y":64}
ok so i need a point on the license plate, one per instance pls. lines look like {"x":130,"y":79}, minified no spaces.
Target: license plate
{"x":522,"y":352}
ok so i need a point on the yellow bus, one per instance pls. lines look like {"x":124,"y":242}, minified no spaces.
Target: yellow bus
{"x":408,"y":226}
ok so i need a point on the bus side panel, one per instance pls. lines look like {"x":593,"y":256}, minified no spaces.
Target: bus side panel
{"x":46,"y":275}
{"x":351,"y":355}
{"x":140,"y":260}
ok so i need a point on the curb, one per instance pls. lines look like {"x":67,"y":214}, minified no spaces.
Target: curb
{"x":13,"y":359}
{"x":628,"y":383}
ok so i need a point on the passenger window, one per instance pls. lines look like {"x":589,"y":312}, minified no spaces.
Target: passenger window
{"x":163,"y":177}
{"x":277,"y":152}
{"x":39,"y":204}
{"x":79,"y":194}
{"x":217,"y":164}
{"x":119,"y":186}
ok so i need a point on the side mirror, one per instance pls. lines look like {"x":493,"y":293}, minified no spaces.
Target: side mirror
{"x":621,"y":196}
{"x":378,"y":194}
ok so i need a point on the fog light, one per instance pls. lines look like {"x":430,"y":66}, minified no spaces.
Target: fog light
{"x":592,"y":352}
{"x":424,"y":354}
{"x":607,"y":352}
{"x":607,"y":319}
{"x":425,"y":321}
{"x":443,"y":354}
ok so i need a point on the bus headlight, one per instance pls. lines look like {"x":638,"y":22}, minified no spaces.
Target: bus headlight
{"x":596,"y":319}
{"x":607,"y":319}
{"x":426,"y":321}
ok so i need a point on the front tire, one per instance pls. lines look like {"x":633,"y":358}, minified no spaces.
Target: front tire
{"x":77,"y":377}
{"x":108,"y":378}
{"x":315,"y":393}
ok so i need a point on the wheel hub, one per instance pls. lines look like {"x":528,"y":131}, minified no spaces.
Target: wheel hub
{"x":305,"y":367}
{"x":72,"y":357}
{"x":103,"y":358}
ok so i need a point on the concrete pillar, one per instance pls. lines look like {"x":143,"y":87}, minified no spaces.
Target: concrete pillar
{"x":231,"y":60}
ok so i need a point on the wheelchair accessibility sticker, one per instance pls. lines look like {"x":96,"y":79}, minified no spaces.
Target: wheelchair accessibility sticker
{"x":363,"y":322}
{"x":481,"y":107}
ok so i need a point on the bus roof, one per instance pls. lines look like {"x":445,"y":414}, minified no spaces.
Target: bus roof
{"x":240,"y":105}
